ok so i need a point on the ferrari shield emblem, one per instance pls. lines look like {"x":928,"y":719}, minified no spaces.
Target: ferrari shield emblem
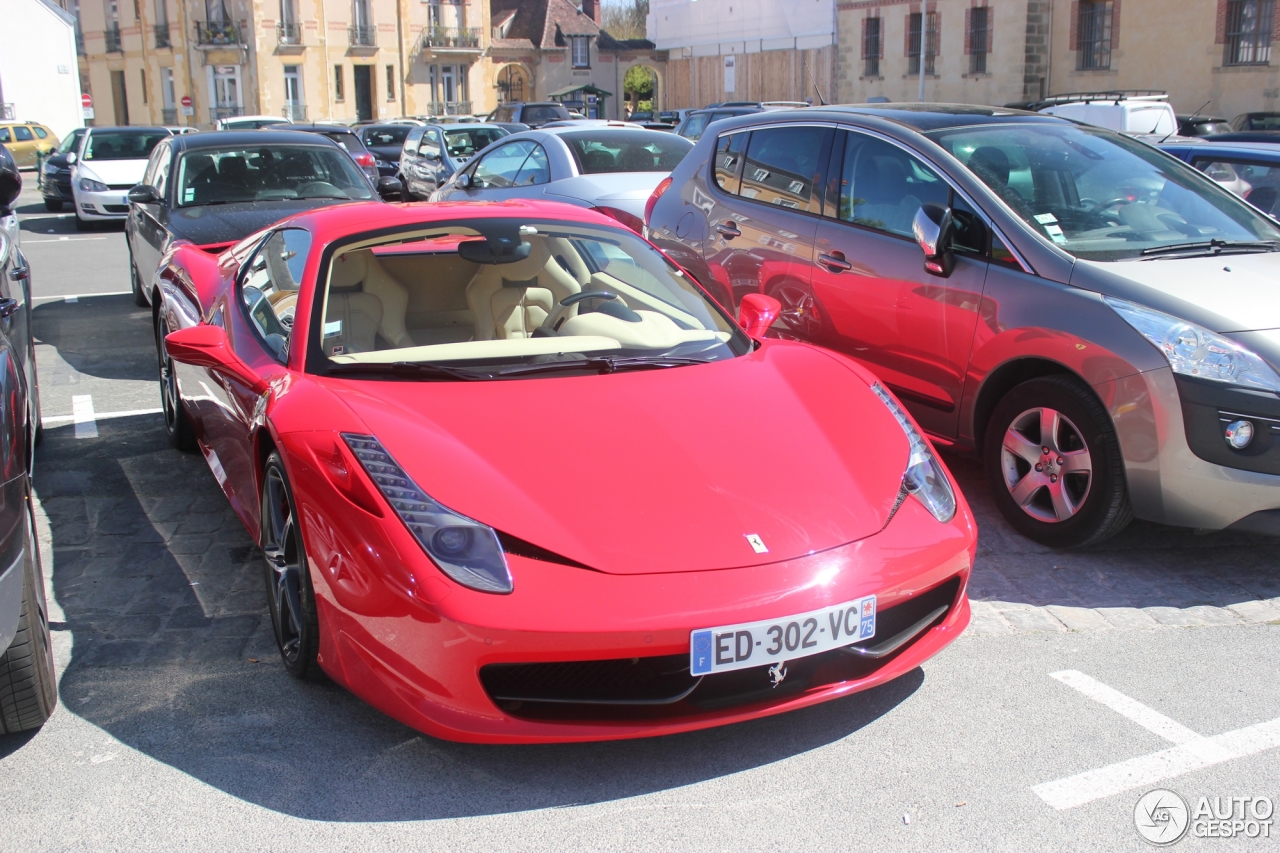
{"x":757,"y":544}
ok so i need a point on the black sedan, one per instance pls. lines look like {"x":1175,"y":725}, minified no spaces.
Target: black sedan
{"x":215,"y":189}
{"x":385,"y":142}
{"x":55,"y":174}
{"x":28,"y":685}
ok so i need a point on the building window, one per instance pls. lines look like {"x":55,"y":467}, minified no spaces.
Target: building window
{"x":978,"y":39}
{"x":581,"y":53}
{"x":872,"y":47}
{"x":391,"y":82}
{"x":510,"y":84}
{"x":339,"y":84}
{"x":914,"y":22}
{"x":1249,"y":32}
{"x":1093,"y":43}
{"x":142,"y":72}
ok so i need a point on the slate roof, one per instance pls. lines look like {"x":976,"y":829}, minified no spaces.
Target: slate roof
{"x":540,"y":24}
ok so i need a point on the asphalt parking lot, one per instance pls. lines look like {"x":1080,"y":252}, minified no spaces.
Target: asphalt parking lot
{"x":1086,"y":679}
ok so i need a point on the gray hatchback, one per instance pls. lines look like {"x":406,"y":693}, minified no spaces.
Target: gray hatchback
{"x":1095,"y":319}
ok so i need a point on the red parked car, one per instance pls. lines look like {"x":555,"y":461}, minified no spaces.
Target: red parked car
{"x":517,"y":478}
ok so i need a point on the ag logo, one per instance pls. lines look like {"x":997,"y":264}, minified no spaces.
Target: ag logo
{"x":1161,"y":817}
{"x":756,"y":543}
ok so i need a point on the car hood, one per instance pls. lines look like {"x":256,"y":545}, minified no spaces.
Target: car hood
{"x":113,"y":172}
{"x":624,"y":190}
{"x":230,"y":223}
{"x":654,"y":471}
{"x":1229,"y":293}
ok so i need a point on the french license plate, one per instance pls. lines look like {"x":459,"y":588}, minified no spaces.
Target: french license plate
{"x":772,"y":641}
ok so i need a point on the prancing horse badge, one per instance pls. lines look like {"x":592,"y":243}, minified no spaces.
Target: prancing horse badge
{"x":757,"y":544}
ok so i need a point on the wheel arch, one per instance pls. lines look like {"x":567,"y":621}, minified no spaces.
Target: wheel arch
{"x":1004,"y":379}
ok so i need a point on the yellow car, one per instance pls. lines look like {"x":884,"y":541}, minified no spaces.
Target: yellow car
{"x":25,"y":140}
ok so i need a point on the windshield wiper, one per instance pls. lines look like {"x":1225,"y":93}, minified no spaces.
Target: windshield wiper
{"x":1212,"y":247}
{"x":408,"y":370}
{"x":604,"y":364}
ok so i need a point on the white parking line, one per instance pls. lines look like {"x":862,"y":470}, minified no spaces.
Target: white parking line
{"x":96,"y":416}
{"x":82,"y":414}
{"x":62,"y":240}
{"x":72,"y":297}
{"x":1193,"y":752}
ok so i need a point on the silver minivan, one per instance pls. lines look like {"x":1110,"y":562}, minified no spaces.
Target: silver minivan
{"x":1096,"y":320}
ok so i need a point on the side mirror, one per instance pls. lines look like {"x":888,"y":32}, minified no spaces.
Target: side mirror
{"x":144,"y":194}
{"x":207,"y":346}
{"x":757,"y":312}
{"x":463,"y":181}
{"x":389,"y":189}
{"x":10,"y":181}
{"x":71,"y":157}
{"x":430,"y":154}
{"x":934,"y":227}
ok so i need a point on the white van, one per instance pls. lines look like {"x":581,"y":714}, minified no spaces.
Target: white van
{"x":1126,"y":112}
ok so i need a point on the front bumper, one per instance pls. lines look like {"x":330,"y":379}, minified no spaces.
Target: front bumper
{"x":1168,"y":482}
{"x":56,"y":190}
{"x":401,"y":636}
{"x":112,"y":204}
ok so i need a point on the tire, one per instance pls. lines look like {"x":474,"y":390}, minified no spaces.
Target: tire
{"x":135,"y":284}
{"x":1079,"y":497}
{"x":28,"y":683}
{"x":52,"y":205}
{"x":290,"y":597}
{"x":83,"y":224}
{"x":176,"y":421}
{"x":37,"y":422}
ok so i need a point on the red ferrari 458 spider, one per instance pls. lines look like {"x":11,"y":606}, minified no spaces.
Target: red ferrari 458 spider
{"x":517,"y":478}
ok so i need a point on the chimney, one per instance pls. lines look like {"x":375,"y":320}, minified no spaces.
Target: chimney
{"x":591,"y":8}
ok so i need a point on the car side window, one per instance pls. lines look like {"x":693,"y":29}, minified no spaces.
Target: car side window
{"x":4,"y":135}
{"x":782,"y":164}
{"x":153,"y":165}
{"x":728,"y":161}
{"x":269,"y":287}
{"x":161,"y":178}
{"x":499,"y":167}
{"x":882,"y":186}
{"x":22,"y":134}
{"x":536,"y":169}
{"x":41,"y":133}
{"x":411,"y":141}
{"x":430,"y":146}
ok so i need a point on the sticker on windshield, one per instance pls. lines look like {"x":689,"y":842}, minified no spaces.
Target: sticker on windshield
{"x":332,"y":328}
{"x":1055,"y":234}
{"x":188,"y":195}
{"x":1046,"y":218}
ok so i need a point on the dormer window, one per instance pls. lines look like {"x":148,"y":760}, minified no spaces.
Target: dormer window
{"x":581,"y":51}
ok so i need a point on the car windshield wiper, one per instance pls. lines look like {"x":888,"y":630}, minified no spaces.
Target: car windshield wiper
{"x":1212,"y":247}
{"x":603,"y":364}
{"x":408,"y":370}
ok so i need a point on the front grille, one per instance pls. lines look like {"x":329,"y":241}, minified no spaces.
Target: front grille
{"x":121,"y":186}
{"x":661,"y":687}
{"x":116,"y":208}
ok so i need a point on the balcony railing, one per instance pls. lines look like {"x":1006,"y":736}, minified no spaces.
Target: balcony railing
{"x":362,"y":36}
{"x":466,"y":38}
{"x":289,"y":35}
{"x":216,"y":113}
{"x":295,"y":112}
{"x":169,"y":115}
{"x":7,"y":113}
{"x":216,"y":33}
{"x":162,"y":35}
{"x":449,"y":108}
{"x":112,"y":38}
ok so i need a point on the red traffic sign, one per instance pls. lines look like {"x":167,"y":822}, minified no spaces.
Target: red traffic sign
{"x":86,"y":101}
{"x":186,"y":100}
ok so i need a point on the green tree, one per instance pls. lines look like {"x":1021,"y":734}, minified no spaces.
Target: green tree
{"x":625,"y":19}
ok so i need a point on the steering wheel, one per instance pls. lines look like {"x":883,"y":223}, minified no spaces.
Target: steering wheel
{"x":575,"y":298}
{"x":556,"y":317}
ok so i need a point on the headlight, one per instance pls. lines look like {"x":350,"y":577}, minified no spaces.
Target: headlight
{"x":50,"y":168}
{"x":1196,"y":351}
{"x":465,"y":550}
{"x":89,"y":185}
{"x":924,"y":479}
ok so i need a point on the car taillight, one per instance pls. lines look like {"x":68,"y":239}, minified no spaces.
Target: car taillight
{"x":653,"y":199}
{"x":628,"y":219}
{"x":366,"y":160}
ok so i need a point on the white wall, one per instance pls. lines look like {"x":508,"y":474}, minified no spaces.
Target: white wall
{"x":674,"y":24}
{"x":38,"y":73}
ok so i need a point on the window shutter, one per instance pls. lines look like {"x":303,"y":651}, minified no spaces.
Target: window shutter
{"x":968,"y":31}
{"x":1115,"y":25}
{"x":1075,"y":23}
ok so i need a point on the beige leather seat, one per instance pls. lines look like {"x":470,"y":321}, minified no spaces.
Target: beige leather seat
{"x":511,"y":300}
{"x":360,"y":271}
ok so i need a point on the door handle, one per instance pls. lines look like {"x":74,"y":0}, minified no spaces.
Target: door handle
{"x":835,"y":262}
{"x":728,"y":229}
{"x":8,"y":307}
{"x":19,"y":273}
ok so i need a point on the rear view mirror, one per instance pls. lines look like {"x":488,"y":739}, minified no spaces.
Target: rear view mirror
{"x":464,"y":181}
{"x":757,"y":312}
{"x":934,"y":227}
{"x":389,"y":189}
{"x":71,"y":158}
{"x":431,"y":154}
{"x":10,"y":182}
{"x":206,"y":346}
{"x":494,"y":250}
{"x":144,"y":194}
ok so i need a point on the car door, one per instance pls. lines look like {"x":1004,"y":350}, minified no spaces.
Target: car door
{"x":23,"y":148}
{"x":875,"y":299}
{"x":495,"y":176}
{"x":763,"y":211}
{"x":431,"y":161}
{"x":146,"y":228}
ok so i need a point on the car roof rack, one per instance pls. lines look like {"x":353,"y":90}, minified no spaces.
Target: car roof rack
{"x":1114,"y":96}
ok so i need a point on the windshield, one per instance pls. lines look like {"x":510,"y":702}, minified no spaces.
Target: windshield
{"x":1208,"y":128}
{"x":1262,"y":121}
{"x":618,"y":150}
{"x":1101,"y":196}
{"x":463,"y":143}
{"x":266,"y":173}
{"x":580,"y":294}
{"x":122,"y":144}
{"x":386,"y":136}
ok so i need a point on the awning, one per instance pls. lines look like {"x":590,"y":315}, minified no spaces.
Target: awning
{"x":585,"y":88}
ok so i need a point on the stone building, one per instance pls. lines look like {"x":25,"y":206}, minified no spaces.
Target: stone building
{"x":1210,"y":53}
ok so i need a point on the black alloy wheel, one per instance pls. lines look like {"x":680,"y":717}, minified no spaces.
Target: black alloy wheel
{"x":1054,"y":466}
{"x":28,"y":681}
{"x":799,"y":310}
{"x":289,"y":594}
{"x":176,"y":421}
{"x":83,"y":224}
{"x":135,"y":282}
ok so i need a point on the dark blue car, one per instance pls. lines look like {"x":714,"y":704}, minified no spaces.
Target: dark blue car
{"x":1251,"y":170}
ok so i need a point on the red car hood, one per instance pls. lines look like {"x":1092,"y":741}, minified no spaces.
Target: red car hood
{"x":654,"y":471}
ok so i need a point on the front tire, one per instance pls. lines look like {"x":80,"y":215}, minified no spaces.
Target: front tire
{"x":289,"y":594}
{"x":1053,"y":463}
{"x":83,"y":224}
{"x":52,"y":205}
{"x":176,"y":421}
{"x":28,"y":683}
{"x":135,"y":283}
